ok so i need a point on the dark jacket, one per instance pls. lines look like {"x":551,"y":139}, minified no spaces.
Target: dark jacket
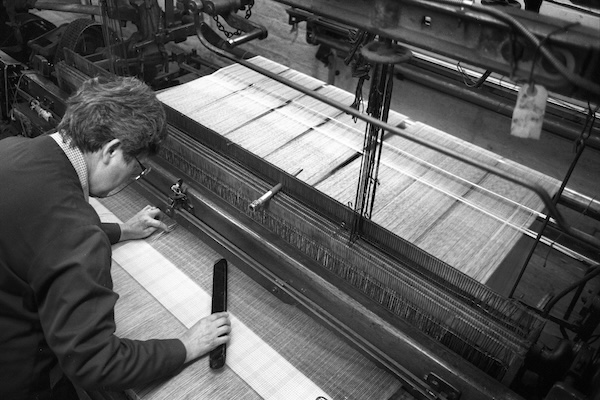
{"x":56,"y":297}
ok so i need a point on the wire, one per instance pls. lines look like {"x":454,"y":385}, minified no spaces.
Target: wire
{"x":543,"y":41}
{"x":550,"y":250}
{"x":590,"y":274}
{"x":17,"y":90}
{"x":468,"y":81}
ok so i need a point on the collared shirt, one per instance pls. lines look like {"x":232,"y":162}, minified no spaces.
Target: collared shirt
{"x":76,"y":157}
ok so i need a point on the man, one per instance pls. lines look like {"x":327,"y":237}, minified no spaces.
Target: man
{"x":56,"y":297}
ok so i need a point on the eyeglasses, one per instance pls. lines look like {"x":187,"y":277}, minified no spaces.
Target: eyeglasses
{"x":145,"y":171}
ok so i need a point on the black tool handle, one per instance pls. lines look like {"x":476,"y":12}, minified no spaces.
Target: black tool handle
{"x":219,"y":303}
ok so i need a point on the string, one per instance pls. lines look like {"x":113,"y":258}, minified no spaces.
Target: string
{"x":584,"y":212}
{"x":550,"y":250}
{"x":588,"y":126}
{"x":468,"y":81}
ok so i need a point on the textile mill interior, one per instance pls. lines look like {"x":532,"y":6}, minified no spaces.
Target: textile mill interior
{"x":407,"y":191}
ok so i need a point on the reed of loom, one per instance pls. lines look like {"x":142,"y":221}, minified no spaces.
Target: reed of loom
{"x":489,"y":331}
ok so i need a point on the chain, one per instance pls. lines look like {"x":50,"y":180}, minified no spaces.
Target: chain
{"x":227,"y":33}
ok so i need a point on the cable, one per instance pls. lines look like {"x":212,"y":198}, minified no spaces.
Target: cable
{"x":542,"y":42}
{"x":468,"y":81}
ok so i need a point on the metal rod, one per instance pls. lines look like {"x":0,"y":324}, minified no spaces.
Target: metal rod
{"x":68,"y":7}
{"x":260,"y":202}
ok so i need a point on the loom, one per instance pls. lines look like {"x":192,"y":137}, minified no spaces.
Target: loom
{"x":393,"y":235}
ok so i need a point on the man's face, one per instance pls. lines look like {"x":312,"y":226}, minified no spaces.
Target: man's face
{"x":112,"y":172}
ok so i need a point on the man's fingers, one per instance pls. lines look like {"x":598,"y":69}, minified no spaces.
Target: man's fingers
{"x":223,"y":339}
{"x":221,"y":323}
{"x":217,"y":315}
{"x":223,"y":330}
{"x":158,"y":224}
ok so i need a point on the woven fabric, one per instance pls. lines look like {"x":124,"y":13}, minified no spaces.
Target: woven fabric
{"x":276,"y":352}
{"x":458,"y":213}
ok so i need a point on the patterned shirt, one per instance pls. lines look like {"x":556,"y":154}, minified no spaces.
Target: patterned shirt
{"x":76,"y":157}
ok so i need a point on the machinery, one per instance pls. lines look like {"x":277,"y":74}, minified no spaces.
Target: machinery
{"x":444,"y":334}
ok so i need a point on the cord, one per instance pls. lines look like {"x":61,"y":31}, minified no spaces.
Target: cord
{"x":542,"y":42}
{"x":468,"y":81}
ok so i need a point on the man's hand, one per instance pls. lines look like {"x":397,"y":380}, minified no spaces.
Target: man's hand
{"x":142,"y":224}
{"x":206,"y":334}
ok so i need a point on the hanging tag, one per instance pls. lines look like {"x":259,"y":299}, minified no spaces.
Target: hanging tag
{"x":528,"y":114}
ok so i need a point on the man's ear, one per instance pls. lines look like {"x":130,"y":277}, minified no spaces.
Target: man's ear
{"x":109,"y":150}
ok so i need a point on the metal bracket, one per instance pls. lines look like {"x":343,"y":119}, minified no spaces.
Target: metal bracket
{"x":178,"y":199}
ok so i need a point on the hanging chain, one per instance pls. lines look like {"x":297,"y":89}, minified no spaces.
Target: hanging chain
{"x":227,"y":33}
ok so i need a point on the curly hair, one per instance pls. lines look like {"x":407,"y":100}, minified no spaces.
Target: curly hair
{"x":122,"y":108}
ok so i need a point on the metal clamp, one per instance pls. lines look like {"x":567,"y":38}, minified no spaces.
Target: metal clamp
{"x":178,"y":199}
{"x":446,"y":390}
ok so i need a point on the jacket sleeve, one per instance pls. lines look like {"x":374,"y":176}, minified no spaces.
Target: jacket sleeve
{"x":113,"y":231}
{"x":75,"y":300}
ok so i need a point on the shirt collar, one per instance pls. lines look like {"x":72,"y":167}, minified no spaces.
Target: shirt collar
{"x":76,"y":157}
